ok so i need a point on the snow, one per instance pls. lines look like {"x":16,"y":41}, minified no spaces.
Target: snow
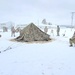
{"x":51,"y":58}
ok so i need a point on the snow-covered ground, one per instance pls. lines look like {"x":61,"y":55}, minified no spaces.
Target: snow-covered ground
{"x":51,"y":58}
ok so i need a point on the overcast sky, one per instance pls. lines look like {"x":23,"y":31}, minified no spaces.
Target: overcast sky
{"x":26,"y":11}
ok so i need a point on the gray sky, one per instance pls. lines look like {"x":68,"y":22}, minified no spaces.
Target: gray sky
{"x":26,"y":11}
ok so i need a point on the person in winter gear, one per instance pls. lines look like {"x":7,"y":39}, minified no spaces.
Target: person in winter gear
{"x":72,"y":40}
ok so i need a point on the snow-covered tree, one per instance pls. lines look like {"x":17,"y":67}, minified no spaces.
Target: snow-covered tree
{"x":49,"y":23}
{"x":44,"y":21}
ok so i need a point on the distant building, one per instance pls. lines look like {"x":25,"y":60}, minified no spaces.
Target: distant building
{"x":3,"y":25}
{"x":7,"y":24}
{"x":21,"y":26}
